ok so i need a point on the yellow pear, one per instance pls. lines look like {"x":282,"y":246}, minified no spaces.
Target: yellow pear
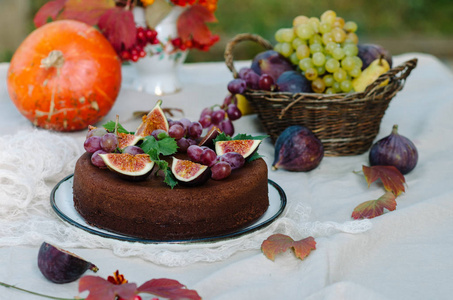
{"x":244,"y":105}
{"x":378,"y":67}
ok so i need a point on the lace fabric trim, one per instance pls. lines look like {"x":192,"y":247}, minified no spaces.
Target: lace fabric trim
{"x":29,"y":169}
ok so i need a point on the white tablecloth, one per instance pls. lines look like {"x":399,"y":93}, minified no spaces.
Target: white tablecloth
{"x":404,"y":254}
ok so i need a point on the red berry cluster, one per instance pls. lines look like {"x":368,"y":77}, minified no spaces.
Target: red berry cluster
{"x":183,"y":2}
{"x":179,"y":44}
{"x":211,"y":5}
{"x":144,"y":36}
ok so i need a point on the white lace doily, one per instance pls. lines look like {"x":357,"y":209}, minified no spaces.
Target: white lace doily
{"x":33,"y":161}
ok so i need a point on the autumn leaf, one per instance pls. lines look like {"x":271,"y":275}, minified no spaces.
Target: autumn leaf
{"x":90,"y":12}
{"x":390,"y":176}
{"x":192,"y":23}
{"x":168,"y":288}
{"x":157,"y":12}
{"x":373,"y":208}
{"x":278,"y":243}
{"x":118,"y":25}
{"x":50,"y":10}
{"x":101,"y":289}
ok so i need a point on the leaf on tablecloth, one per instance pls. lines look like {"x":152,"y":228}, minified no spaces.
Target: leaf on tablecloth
{"x":278,"y":243}
{"x":101,"y":289}
{"x":192,"y":23}
{"x":168,"y":288}
{"x":390,"y":176}
{"x":373,"y":208}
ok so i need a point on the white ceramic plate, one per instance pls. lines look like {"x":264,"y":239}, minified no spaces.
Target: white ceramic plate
{"x":63,"y":205}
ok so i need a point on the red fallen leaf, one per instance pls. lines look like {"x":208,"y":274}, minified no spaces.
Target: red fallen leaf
{"x":88,"y":12}
{"x":192,"y":23}
{"x":168,"y":288}
{"x":118,"y":25}
{"x":278,"y":243}
{"x":390,"y":176}
{"x":49,"y":10}
{"x":373,"y":208}
{"x":101,"y":289}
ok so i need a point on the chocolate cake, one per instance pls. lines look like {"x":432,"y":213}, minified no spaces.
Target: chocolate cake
{"x":151,"y":210}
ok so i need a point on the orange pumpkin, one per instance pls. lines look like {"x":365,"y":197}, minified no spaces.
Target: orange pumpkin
{"x":64,"y":76}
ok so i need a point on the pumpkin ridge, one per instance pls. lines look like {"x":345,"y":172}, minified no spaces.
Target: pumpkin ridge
{"x":51,"y":101}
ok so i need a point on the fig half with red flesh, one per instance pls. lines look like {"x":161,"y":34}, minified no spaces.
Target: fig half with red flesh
{"x":189,"y":173}
{"x":155,"y":119}
{"x":61,"y":266}
{"x":208,"y":139}
{"x":130,"y":167}
{"x":244,"y":147}
{"x":128,"y":139}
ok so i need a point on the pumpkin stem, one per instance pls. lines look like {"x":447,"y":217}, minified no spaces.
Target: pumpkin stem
{"x":54,"y":59}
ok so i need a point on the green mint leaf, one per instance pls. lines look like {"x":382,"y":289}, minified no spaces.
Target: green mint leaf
{"x":110,"y":126}
{"x":150,"y":144}
{"x":170,"y":179}
{"x":222,"y":137}
{"x":154,"y":148}
{"x":167,"y":146}
{"x":254,"y":156}
{"x":242,"y":136}
{"x":162,"y":164}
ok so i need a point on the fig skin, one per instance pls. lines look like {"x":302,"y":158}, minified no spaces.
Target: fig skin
{"x":60,"y":266}
{"x":293,"y":82}
{"x":297,"y":149}
{"x":272,"y":63}
{"x":394,"y":150}
{"x":198,"y":180}
{"x":208,"y":139}
{"x":370,"y":52}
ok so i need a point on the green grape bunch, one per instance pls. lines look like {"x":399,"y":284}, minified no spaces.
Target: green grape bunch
{"x":324,"y":49}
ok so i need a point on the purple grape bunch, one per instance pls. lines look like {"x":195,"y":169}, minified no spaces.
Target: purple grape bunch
{"x":221,"y":166}
{"x":184,"y":131}
{"x":221,"y":116}
{"x":100,"y":141}
{"x":252,"y":80}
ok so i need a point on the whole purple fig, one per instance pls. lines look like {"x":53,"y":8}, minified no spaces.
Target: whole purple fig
{"x":370,"y":52}
{"x":272,"y":63}
{"x":394,"y":150}
{"x":297,"y":149}
{"x":293,"y":82}
{"x":61,"y":266}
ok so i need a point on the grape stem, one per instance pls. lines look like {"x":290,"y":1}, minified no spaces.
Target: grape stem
{"x":36,"y":294}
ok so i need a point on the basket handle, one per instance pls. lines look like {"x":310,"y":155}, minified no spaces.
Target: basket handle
{"x":405,"y":69}
{"x":240,"y":38}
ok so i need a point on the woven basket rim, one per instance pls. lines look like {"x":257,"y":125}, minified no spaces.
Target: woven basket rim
{"x":346,"y":123}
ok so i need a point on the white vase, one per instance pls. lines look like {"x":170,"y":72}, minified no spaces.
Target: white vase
{"x":158,"y":72}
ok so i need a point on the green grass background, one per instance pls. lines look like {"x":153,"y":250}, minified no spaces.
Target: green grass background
{"x":393,"y":21}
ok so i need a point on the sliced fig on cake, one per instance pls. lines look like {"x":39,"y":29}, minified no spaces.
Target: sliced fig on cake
{"x":189,"y":173}
{"x":130,"y":167}
{"x":127,"y":139}
{"x":244,"y":147}
{"x":208,"y":139}
{"x":155,"y":119}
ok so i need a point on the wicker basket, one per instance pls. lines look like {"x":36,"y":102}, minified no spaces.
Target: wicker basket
{"x":345,"y":123}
